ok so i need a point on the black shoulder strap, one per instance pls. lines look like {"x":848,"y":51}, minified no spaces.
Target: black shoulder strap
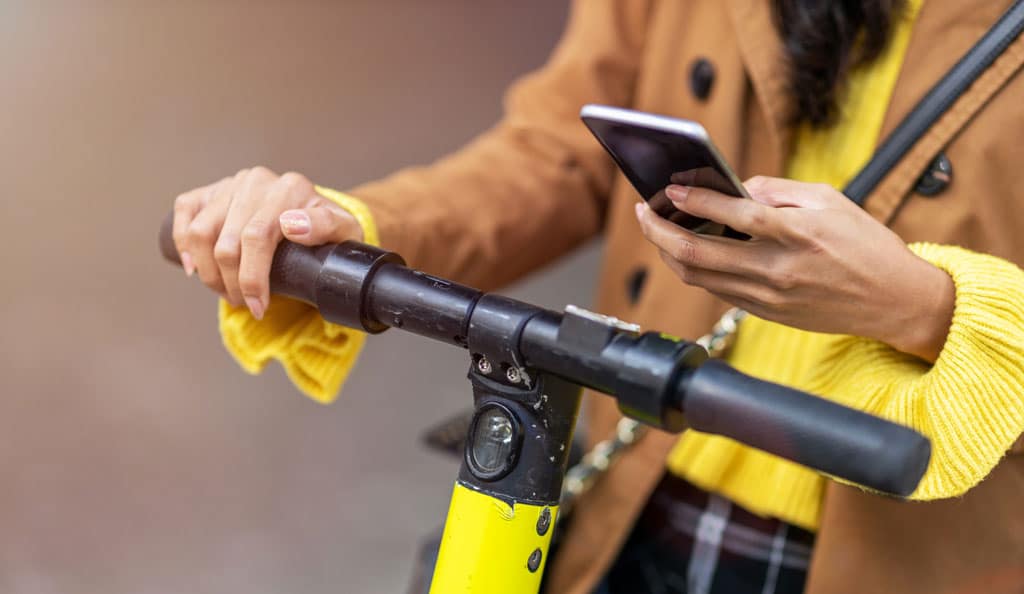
{"x":936,"y":102}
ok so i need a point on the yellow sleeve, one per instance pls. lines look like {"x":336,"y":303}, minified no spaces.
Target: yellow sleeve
{"x":970,"y":403}
{"x":316,"y":354}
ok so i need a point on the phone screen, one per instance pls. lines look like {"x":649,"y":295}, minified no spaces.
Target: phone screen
{"x":653,"y":158}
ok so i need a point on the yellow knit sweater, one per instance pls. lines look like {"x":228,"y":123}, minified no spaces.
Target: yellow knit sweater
{"x":970,"y":402}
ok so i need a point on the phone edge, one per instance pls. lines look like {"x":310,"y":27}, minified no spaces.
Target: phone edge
{"x":662,"y":123}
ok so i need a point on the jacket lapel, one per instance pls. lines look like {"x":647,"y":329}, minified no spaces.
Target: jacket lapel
{"x":762,"y":53}
{"x":959,"y":25}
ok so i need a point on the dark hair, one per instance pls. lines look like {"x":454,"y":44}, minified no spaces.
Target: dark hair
{"x":823,"y":40}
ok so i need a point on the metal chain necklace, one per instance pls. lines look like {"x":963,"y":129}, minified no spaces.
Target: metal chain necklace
{"x":580,"y":478}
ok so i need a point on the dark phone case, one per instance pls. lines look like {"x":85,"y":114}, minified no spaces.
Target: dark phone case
{"x":653,"y":151}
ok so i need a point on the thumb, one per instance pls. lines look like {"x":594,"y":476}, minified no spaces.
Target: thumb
{"x":319,"y":225}
{"x":779,"y":192}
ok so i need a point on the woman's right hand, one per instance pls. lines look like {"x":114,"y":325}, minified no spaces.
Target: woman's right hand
{"x":227,"y":231}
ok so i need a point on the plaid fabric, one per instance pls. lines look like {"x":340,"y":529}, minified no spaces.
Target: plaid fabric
{"x":688,"y":541}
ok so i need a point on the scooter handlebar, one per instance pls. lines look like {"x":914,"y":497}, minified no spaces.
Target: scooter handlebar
{"x":714,"y":397}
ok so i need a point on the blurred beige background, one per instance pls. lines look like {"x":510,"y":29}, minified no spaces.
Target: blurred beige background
{"x":134,"y":456}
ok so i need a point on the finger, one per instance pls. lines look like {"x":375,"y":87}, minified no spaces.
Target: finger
{"x":694,"y":250}
{"x":227,"y":252}
{"x":202,"y":234}
{"x":261,"y":235}
{"x":783,"y":193}
{"x":260,"y":238}
{"x":186,"y":207}
{"x":320,"y":225}
{"x":747,"y":216}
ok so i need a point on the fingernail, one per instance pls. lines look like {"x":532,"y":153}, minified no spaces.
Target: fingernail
{"x":677,"y":193}
{"x":295,"y":222}
{"x":639,"y":208}
{"x":255,"y":306}
{"x":187,"y":264}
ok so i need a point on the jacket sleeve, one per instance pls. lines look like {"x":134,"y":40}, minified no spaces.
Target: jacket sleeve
{"x":536,"y":184}
{"x":519,"y":195}
{"x":970,"y":403}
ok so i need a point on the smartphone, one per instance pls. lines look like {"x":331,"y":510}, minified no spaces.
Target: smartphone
{"x":654,"y":151}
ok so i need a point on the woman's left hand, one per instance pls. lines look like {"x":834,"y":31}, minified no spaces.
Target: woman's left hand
{"x":815,"y":261}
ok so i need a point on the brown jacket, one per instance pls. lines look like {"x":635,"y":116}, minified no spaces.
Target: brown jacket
{"x":537,"y":185}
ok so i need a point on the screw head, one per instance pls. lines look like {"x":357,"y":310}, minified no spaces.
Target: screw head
{"x":533,"y":563}
{"x":484,"y":366}
{"x":544,"y":522}
{"x":514,"y":375}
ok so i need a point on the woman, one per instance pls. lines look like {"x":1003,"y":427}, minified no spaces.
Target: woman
{"x":929,"y":335}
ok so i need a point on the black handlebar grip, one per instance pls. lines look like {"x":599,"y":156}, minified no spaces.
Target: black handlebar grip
{"x":166,"y":240}
{"x":808,"y":430}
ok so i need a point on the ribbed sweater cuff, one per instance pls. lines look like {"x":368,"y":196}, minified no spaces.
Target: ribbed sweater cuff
{"x":316,"y":355}
{"x":970,"y":403}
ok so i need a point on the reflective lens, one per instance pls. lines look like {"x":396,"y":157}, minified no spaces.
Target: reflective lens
{"x":493,"y":441}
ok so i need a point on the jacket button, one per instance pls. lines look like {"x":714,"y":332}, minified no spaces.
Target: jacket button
{"x":702,"y":78}
{"x":936,"y":178}
{"x":635,"y":284}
